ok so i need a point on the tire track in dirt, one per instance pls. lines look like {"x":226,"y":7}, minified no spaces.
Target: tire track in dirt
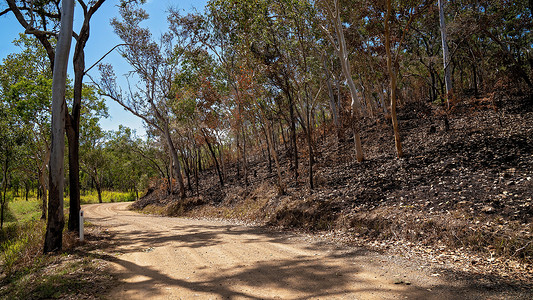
{"x":175,"y":258}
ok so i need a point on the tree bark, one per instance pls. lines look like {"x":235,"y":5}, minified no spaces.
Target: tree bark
{"x":26,"y":190}
{"x":166,"y":131}
{"x":244,"y":160}
{"x":43,"y":194}
{"x":268,"y":149}
{"x":72,"y":132}
{"x":99,"y":191}
{"x":332,"y":105}
{"x":177,"y":164}
{"x":196,"y":171}
{"x":281,"y":188}
{"x":199,"y":160}
{"x":311,"y":156}
{"x":392,"y":75}
{"x":294,"y":145}
{"x":433,"y":88}
{"x":56,"y":221}
{"x":221,"y":160}
{"x":342,"y":53}
{"x":445,"y":52}
{"x":187,"y":169}
{"x":73,"y":119}
{"x":73,"y":136}
{"x":213,"y":154}
{"x":4,"y":187}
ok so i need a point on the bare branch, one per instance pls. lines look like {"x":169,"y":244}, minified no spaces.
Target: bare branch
{"x":83,"y":6}
{"x":5,"y":11}
{"x":118,"y":99}
{"x":101,"y":58}
{"x":40,"y":32}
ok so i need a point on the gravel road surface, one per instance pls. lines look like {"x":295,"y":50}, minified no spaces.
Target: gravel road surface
{"x":176,"y":258}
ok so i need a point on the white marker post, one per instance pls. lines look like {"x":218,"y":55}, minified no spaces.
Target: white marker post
{"x":81,"y":225}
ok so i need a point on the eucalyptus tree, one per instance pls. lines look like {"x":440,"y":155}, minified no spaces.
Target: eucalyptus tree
{"x":93,"y":154}
{"x":41,"y":19}
{"x":445,"y":51}
{"x":54,"y":230}
{"x":216,"y":32}
{"x":131,"y":162}
{"x":493,"y":39}
{"x":12,"y":137}
{"x":154,"y":64}
{"x":333,"y":28}
{"x":26,"y":83}
{"x":265,"y":108}
{"x":295,"y":36}
{"x":392,"y":78}
{"x":425,"y":46}
{"x":258,"y":41}
{"x":200,"y":108}
{"x":277,"y":44}
{"x":302,"y":17}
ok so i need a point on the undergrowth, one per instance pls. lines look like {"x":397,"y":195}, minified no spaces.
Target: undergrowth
{"x":20,"y":245}
{"x":27,"y":273}
{"x":21,"y":211}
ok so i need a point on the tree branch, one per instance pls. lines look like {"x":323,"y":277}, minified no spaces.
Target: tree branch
{"x":34,"y":31}
{"x":118,"y":100}
{"x":101,"y":58}
{"x":5,"y":11}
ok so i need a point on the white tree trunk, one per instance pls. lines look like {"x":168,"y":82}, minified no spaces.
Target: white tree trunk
{"x":445,"y":53}
{"x":332,"y":104}
{"x":392,"y":75}
{"x":56,"y":219}
{"x":342,"y":52}
{"x":345,"y":62}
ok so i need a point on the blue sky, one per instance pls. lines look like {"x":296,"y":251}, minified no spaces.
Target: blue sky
{"x":102,"y":39}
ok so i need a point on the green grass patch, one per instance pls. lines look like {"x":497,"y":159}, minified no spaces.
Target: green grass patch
{"x":90,"y":197}
{"x":20,"y":243}
{"x":21,"y":211}
{"x":26,"y":273}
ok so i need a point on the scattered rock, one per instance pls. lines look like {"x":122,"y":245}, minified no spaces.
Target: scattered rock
{"x":488,"y":209}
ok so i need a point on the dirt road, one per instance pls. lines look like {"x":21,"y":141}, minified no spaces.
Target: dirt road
{"x":174,"y":258}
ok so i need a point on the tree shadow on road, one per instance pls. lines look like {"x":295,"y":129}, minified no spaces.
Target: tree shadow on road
{"x":303,"y":274}
{"x":308,"y":279}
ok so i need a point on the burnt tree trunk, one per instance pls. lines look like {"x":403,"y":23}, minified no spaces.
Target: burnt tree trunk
{"x":294,"y":147}
{"x":213,"y":154}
